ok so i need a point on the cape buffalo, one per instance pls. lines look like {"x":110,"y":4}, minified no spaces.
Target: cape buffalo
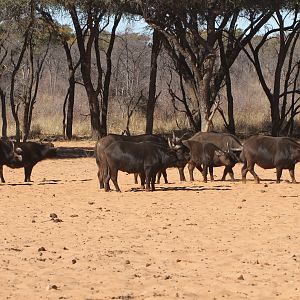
{"x":270,"y":152}
{"x":145,"y":158}
{"x":9,"y":153}
{"x":209,"y":156}
{"x":32,"y":153}
{"x":111,"y":138}
{"x":224,"y":141}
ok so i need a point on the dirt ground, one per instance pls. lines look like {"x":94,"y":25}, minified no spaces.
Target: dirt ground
{"x":220,"y":240}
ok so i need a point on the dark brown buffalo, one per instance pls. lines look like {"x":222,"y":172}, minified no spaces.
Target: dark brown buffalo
{"x":208,"y":156}
{"x":224,"y":141}
{"x":111,"y":138}
{"x":268,"y":153}
{"x":9,"y":153}
{"x":32,"y":153}
{"x":145,"y":158}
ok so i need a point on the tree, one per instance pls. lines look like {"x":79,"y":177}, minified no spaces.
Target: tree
{"x":152,"y":97}
{"x":3,"y":55}
{"x":191,"y":31}
{"x":130,"y":74}
{"x":87,"y":18}
{"x":67,"y":39}
{"x":277,"y":90}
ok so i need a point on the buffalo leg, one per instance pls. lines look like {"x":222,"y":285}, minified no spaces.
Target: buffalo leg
{"x":28,"y":171}
{"x":100,"y":177}
{"x":164,"y":172}
{"x":244,"y":172}
{"x":106,"y":178}
{"x":199,"y":168}
{"x":148,"y":179}
{"x":228,"y":170}
{"x":292,"y":174}
{"x":204,"y":173}
{"x":191,"y":167}
{"x":278,"y":174}
{"x":142,"y":176}
{"x":153,"y":182}
{"x":158,"y":177}
{"x":136,"y":178}
{"x":181,"y":173}
{"x":251,"y":170}
{"x":114,"y":178}
{"x":211,"y":173}
{"x":1,"y":174}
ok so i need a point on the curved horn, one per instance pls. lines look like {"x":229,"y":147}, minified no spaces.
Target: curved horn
{"x":170,"y":143}
{"x":236,"y":149}
{"x":185,"y":134}
{"x":174,"y":138}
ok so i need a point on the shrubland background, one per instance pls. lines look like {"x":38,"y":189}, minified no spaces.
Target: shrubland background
{"x":131,"y":58}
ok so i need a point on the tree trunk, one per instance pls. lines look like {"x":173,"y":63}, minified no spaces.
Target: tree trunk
{"x":275,"y":117}
{"x":95,"y":115}
{"x":70,"y":111}
{"x":230,"y":109}
{"x":26,"y":125}
{"x":156,"y":46}
{"x":3,"y":112}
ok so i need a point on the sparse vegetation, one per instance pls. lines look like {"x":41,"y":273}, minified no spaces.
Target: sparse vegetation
{"x":123,"y":65}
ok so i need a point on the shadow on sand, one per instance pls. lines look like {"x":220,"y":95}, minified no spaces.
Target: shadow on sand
{"x":47,"y":182}
{"x":186,"y":188}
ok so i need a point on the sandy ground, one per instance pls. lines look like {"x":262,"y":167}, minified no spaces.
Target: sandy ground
{"x":220,"y":240}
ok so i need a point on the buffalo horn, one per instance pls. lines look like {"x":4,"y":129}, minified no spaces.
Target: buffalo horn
{"x":170,"y":143}
{"x":236,"y":149}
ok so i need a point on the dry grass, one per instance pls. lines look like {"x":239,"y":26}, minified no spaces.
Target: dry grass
{"x":246,"y":125}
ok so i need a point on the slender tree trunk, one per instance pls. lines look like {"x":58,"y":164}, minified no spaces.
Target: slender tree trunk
{"x":156,"y":46}
{"x":26,"y":125}
{"x":230,"y":108}
{"x":70,"y":110}
{"x":70,"y":97}
{"x":95,"y":115}
{"x":3,"y":112}
{"x":106,"y":84}
{"x":275,"y":116}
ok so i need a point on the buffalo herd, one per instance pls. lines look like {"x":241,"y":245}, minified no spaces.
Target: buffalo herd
{"x":148,"y":156}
